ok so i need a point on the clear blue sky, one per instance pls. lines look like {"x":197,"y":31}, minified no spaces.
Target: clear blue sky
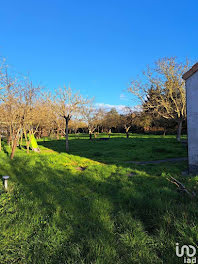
{"x":96,"y":46}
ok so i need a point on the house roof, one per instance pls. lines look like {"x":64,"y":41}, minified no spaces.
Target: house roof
{"x":190,"y":72}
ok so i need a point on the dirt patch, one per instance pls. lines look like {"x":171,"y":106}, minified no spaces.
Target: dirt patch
{"x":81,"y":168}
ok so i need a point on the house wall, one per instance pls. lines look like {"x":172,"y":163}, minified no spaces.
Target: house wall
{"x":192,"y":121}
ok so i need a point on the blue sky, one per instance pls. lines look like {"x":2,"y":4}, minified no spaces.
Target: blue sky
{"x":96,"y":46}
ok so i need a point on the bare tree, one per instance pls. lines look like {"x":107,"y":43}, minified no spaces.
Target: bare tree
{"x":111,"y":120}
{"x":169,"y":99}
{"x":90,"y":115}
{"x":11,"y":104}
{"x":68,"y":104}
{"x":101,"y":113}
{"x":127,"y":119}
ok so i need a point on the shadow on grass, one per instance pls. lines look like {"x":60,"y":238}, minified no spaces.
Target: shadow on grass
{"x":120,"y":149}
{"x":82,"y":217}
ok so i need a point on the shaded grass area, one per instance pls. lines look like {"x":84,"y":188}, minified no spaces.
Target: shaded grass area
{"x":107,"y":213}
{"x":118,"y":148}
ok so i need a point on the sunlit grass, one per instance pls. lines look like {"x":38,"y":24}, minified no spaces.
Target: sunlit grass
{"x":110,"y":212}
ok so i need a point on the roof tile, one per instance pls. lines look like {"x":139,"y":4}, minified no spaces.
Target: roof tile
{"x":190,"y":72}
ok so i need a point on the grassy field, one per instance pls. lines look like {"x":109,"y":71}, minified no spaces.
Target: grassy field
{"x":90,"y":206}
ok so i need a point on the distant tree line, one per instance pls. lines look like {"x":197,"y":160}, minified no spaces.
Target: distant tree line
{"x":25,"y":110}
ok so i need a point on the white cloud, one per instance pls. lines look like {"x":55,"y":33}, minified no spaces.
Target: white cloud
{"x":123,"y":97}
{"x":119,"y":108}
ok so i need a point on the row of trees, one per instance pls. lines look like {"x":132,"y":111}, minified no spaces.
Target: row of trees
{"x":25,"y":110}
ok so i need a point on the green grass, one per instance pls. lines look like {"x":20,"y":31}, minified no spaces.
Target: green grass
{"x":111,"y":212}
{"x":118,"y":148}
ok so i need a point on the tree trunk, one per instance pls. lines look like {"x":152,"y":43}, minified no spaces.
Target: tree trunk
{"x":21,"y":142}
{"x":28,"y":146}
{"x":90,"y":136}
{"x":179,"y":129}
{"x":9,"y":140}
{"x":164,"y":132}
{"x":14,"y":147}
{"x":27,"y":141}
{"x":127,"y":131}
{"x":9,"y":136}
{"x":109,"y":133}
{"x":66,"y":132}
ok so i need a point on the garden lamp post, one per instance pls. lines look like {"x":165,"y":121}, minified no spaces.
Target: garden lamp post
{"x":5,"y":179}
